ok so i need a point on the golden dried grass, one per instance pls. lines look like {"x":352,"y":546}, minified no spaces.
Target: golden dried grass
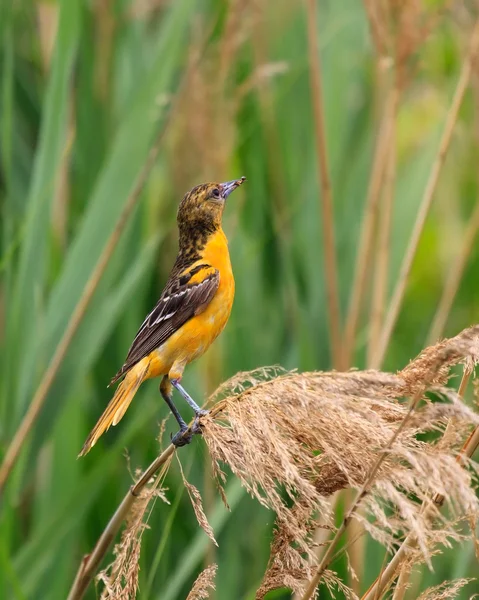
{"x":120,"y":578}
{"x":447,"y":589}
{"x":203,"y":583}
{"x":295,"y":439}
{"x":197,"y":504}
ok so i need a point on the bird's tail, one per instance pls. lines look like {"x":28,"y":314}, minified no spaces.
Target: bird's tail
{"x":118,"y":404}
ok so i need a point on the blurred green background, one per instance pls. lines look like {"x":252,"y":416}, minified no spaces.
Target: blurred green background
{"x":85,"y":87}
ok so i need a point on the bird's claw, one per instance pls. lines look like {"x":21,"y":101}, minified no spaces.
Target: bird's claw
{"x":182,"y":438}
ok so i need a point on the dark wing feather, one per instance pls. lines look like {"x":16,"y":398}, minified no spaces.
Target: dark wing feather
{"x":178,"y":303}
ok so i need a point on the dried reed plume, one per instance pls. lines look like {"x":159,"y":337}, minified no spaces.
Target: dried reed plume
{"x":120,"y":578}
{"x":203,"y":583}
{"x":447,"y":589}
{"x":295,"y":438}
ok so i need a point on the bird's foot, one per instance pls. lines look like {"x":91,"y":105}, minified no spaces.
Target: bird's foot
{"x":182,"y":438}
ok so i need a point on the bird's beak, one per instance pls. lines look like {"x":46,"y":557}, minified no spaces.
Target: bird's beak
{"x":230,"y":186}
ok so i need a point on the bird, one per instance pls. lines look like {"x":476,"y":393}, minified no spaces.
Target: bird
{"x":191,"y":312}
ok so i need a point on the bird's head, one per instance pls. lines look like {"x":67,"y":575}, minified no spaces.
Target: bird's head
{"x":201,"y":209}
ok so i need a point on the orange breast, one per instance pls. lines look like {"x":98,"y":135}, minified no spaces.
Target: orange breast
{"x":196,"y":335}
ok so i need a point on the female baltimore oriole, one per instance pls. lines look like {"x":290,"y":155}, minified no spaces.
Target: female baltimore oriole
{"x":191,"y":312}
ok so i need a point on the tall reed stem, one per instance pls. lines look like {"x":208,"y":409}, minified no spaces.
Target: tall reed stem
{"x":363,"y":259}
{"x":91,"y":562}
{"x":330,"y":262}
{"x":383,"y":238}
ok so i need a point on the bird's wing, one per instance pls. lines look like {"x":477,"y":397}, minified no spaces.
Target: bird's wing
{"x":184,"y":296}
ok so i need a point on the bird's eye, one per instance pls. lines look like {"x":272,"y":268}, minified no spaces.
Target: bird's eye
{"x":215,"y":193}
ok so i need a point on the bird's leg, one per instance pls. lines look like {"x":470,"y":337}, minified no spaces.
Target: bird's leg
{"x":179,"y":439}
{"x":199,"y":412}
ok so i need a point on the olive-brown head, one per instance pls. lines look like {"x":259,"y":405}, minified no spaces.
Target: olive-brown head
{"x":201,"y":210}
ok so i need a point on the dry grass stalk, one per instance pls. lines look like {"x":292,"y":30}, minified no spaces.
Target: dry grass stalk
{"x":379,"y":224}
{"x":376,"y":20}
{"x":281,"y":216}
{"x":210,"y":100}
{"x":330,"y":262}
{"x":92,"y":561}
{"x":306,"y":435}
{"x":381,"y":263}
{"x":451,"y":119}
{"x":204,"y":582}
{"x":368,"y":225}
{"x":453,"y":279}
{"x":374,"y":219}
{"x":196,"y":502}
{"x":120,"y":578}
{"x":445,"y":590}
{"x":398,"y":29}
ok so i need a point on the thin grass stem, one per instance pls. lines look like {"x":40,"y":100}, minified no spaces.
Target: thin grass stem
{"x":329,"y":246}
{"x":91,"y":562}
{"x":363,"y":256}
{"x":402,"y":584}
{"x":378,"y":34}
{"x":381,"y":265}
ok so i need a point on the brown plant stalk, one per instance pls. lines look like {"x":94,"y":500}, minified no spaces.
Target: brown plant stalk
{"x":380,"y":161}
{"x":330,"y":262}
{"x":468,"y":449}
{"x":92,"y":561}
{"x":451,"y":119}
{"x":387,"y":75}
{"x":381,"y":264}
{"x":77,"y":316}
